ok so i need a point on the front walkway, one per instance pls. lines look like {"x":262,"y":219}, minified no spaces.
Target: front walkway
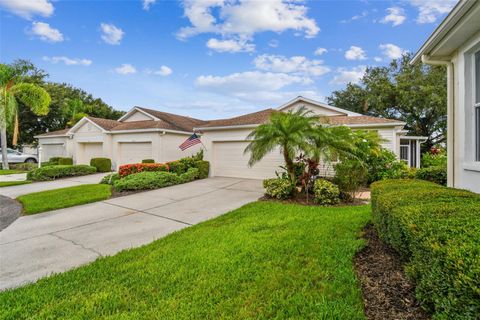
{"x":35,"y":246}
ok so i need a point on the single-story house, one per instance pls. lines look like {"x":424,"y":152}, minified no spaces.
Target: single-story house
{"x":456,"y":44}
{"x":150,"y":134}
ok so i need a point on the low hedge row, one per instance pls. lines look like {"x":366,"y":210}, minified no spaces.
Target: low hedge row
{"x":437,"y":174}
{"x":55,"y":161}
{"x":59,"y":171}
{"x":129,"y":169}
{"x":102,"y":164}
{"x":153,"y":180}
{"x":437,"y":230}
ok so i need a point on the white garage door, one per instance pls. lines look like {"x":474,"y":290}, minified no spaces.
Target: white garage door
{"x":135,"y":152}
{"x":229,"y":161}
{"x":52,"y":150}
{"x":90,"y":150}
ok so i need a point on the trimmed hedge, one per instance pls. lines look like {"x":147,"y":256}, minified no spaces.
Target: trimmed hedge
{"x":177,"y":167}
{"x":148,"y":161}
{"x":203,"y":168}
{"x":102,"y":164}
{"x":325,"y":192}
{"x":25,"y":166}
{"x":437,"y":174}
{"x":65,"y":161}
{"x":54,"y":161}
{"x":129,"y":169}
{"x":146,"y":180}
{"x":59,"y":171}
{"x":437,"y":230}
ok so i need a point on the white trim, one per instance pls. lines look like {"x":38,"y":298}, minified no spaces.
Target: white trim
{"x":471,"y":166}
{"x":373,"y":125}
{"x":149,"y":130}
{"x":318,"y":104}
{"x":135,"y":141}
{"x":413,"y":138}
{"x":251,"y":126}
{"x":131,"y":111}
{"x":81,"y":123}
{"x":53,"y":143}
{"x":52,"y":136}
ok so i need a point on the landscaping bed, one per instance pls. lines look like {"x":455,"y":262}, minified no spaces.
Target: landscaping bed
{"x":265,"y":260}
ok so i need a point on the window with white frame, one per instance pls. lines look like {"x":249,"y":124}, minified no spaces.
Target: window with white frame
{"x":476,"y":105}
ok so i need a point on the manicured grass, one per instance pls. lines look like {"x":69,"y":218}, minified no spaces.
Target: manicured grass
{"x":10,"y":171}
{"x":265,"y":260}
{"x":64,"y":197}
{"x":13,"y":183}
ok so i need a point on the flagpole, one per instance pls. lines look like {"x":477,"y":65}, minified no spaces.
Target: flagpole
{"x":202,"y":144}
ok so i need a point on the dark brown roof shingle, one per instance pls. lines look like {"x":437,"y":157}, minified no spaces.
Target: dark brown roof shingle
{"x":54,"y":133}
{"x":251,"y":118}
{"x":175,"y":121}
{"x":359,"y":120}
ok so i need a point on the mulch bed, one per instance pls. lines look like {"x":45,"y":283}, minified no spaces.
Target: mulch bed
{"x":301,"y":199}
{"x":387,"y":292}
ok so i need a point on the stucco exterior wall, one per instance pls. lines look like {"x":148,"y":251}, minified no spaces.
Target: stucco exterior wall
{"x":137,"y":116}
{"x":170,"y":147}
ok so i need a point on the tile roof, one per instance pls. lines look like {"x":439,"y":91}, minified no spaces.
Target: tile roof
{"x":106,"y":124}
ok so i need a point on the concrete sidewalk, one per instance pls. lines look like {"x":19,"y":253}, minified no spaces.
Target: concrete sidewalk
{"x":16,"y":191}
{"x":36,"y":246}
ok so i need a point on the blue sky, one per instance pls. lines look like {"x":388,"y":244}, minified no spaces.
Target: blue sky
{"x":212,"y":58}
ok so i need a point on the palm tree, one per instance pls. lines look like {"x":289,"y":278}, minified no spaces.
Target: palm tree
{"x":287,"y":130}
{"x":12,"y":89}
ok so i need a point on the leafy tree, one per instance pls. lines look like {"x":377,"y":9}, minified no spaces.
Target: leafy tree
{"x":416,"y":94}
{"x":13,"y":90}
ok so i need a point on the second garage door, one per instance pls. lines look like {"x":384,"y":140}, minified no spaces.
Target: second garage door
{"x":229,"y":161}
{"x":90,"y":150}
{"x":52,"y":150}
{"x":135,"y":152}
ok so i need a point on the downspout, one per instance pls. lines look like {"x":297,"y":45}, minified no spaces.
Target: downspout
{"x":160,"y":142}
{"x":447,"y":61}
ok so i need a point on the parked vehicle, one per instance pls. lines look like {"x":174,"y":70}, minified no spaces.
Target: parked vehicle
{"x":15,"y":156}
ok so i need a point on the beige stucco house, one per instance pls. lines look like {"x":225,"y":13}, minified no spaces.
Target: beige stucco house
{"x":456,"y":44}
{"x":150,"y":134}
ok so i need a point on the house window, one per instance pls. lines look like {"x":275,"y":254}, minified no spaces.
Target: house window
{"x":405,"y":151}
{"x":476,"y":106}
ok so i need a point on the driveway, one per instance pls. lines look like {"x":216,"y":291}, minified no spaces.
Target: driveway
{"x":16,"y":191}
{"x":36,"y":246}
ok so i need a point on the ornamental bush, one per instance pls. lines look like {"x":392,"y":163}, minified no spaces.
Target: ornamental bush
{"x":59,"y":171}
{"x":325,"y":192}
{"x":188,"y":176}
{"x":65,"y":161}
{"x":350,"y":176}
{"x":278,"y":188}
{"x":177,"y":167}
{"x":436,"y":174}
{"x":129,"y":169}
{"x":102,"y":164}
{"x":146,"y":180}
{"x":203,"y":168}
{"x":437,"y":231}
{"x":385,"y":165}
{"x":110,"y":178}
{"x":148,"y":161}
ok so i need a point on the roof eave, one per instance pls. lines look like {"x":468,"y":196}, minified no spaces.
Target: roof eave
{"x":245,"y":126}
{"x":319,"y":104}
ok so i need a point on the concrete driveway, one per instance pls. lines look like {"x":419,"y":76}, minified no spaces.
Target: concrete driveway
{"x":16,"y":191}
{"x":36,"y":246}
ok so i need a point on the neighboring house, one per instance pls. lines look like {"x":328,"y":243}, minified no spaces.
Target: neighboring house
{"x":456,"y":44}
{"x":149,"y":134}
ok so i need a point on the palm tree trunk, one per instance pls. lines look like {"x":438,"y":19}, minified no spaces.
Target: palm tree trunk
{"x":3,"y":138}
{"x":289,"y":164}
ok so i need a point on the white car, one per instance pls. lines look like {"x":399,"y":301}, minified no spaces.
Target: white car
{"x":15,"y":156}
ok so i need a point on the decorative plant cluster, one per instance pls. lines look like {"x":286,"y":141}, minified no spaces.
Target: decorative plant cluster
{"x":437,"y":230}
{"x":129,"y":169}
{"x":59,"y":171}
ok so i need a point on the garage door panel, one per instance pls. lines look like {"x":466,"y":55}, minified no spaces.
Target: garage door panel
{"x":135,"y":152}
{"x":91,"y":150}
{"x":229,"y":161}
{"x":52,"y":150}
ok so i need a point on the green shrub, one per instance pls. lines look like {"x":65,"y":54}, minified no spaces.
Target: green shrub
{"x":146,"y":180}
{"x":190,"y":175}
{"x":350,"y":176}
{"x":59,"y":171}
{"x":148,"y":161}
{"x":110,"y":178}
{"x":65,"y":161}
{"x":437,"y":231}
{"x":434,"y":158}
{"x":436,"y":174}
{"x":203,"y":168}
{"x":325,"y":192}
{"x":54,"y":160}
{"x":188,"y":162}
{"x":26,"y":166}
{"x":102,"y":164}
{"x":385,"y":165}
{"x":177,"y":167}
{"x":278,"y":188}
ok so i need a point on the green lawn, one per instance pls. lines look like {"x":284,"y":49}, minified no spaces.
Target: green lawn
{"x":9,"y":171}
{"x":64,"y":197}
{"x":13,"y":183}
{"x":265,"y":260}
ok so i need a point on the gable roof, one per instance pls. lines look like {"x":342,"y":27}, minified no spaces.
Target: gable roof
{"x":106,"y":124}
{"x":318,"y":104}
{"x":62,"y":133}
{"x":247,"y":119}
{"x":181,"y":123}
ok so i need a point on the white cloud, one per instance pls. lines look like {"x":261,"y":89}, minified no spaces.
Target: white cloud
{"x":356,"y":17}
{"x":111,"y":34}
{"x":245,"y":18}
{"x":345,"y":76}
{"x":355,"y":53}
{"x":45,"y":32}
{"x":148,"y":3}
{"x":163,"y":71}
{"x":297,"y":65}
{"x":68,"y":61}
{"x":392,"y":51}
{"x":377,"y":59}
{"x":273,"y":43}
{"x":126,"y":69}
{"x":230,"y":45}
{"x":430,"y":10}
{"x":28,"y":8}
{"x":396,"y":16}
{"x":320,"y":51}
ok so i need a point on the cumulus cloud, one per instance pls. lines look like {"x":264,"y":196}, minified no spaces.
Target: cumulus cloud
{"x":68,"y":61}
{"x":320,"y":51}
{"x":273,"y":43}
{"x":392,"y":51}
{"x":377,"y":59}
{"x":344,"y":76}
{"x":163,"y":71}
{"x":230,"y":45}
{"x":125,"y":68}
{"x":245,"y":18}
{"x":297,"y":65}
{"x":356,"y":17}
{"x":147,"y":4}
{"x":396,"y":16}
{"x":355,"y":53}
{"x":28,"y":8}
{"x":45,"y":32}
{"x":111,"y":34}
{"x":430,"y":10}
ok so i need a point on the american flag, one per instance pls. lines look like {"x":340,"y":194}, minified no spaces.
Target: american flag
{"x":191,"y":141}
